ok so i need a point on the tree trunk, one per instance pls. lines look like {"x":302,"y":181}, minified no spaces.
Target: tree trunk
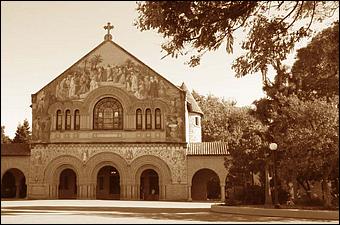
{"x":295,"y":185}
{"x":305,"y":187}
{"x":326,"y":192}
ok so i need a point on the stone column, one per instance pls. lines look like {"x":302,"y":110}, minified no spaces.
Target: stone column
{"x":122,"y":191}
{"x":222,"y":192}
{"x":91,"y":191}
{"x":133,"y":197}
{"x":55,"y":191}
{"x":138,"y":192}
{"x":163,"y":192}
{"x":189,"y":193}
{"x":94,"y":191}
{"x":79,"y":189}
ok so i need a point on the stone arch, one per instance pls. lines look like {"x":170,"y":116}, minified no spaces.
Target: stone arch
{"x":205,"y":185}
{"x":142,"y":163}
{"x":98,"y":161}
{"x":106,"y":91}
{"x":57,"y":165}
{"x":222,"y":177}
{"x":103,"y":92}
{"x":18,"y":167}
{"x":13,"y":184}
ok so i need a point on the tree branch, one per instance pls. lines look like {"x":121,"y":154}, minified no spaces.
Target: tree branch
{"x":297,"y":3}
{"x":297,"y":15}
{"x":311,"y":20}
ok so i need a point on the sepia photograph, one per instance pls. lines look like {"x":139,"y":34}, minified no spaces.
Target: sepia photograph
{"x":169,"y":112}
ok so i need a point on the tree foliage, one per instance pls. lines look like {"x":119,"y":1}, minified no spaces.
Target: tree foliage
{"x":23,"y":133}
{"x":4,"y":138}
{"x":302,"y":114}
{"x":216,"y":121}
{"x":307,"y":133}
{"x":195,"y":27}
{"x":315,"y":73}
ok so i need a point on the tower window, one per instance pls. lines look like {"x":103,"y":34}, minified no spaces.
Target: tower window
{"x":197,"y":121}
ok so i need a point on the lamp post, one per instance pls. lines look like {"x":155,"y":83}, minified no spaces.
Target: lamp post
{"x":268,"y":197}
{"x":273,"y":147}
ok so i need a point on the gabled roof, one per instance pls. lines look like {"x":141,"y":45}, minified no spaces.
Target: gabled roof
{"x":15,"y":149}
{"x":192,"y":104}
{"x":207,"y":148}
{"x":91,"y":52}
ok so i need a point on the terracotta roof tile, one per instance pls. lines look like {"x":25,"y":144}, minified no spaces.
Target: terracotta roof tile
{"x":207,"y":148}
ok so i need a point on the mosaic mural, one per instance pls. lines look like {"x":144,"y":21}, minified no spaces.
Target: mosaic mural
{"x":100,"y":69}
{"x":133,"y":78}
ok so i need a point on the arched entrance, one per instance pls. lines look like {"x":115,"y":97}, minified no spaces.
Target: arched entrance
{"x":149,"y":185}
{"x":205,"y":185}
{"x":67,"y":188}
{"x":13,"y":184}
{"x":108,"y":183}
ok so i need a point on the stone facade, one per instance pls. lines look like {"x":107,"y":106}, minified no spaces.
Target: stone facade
{"x":111,"y":110}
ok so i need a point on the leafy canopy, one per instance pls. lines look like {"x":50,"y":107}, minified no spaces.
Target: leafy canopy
{"x":195,"y":27}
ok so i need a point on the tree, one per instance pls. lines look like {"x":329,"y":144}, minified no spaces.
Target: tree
{"x":295,"y":100}
{"x":95,"y":60}
{"x":315,"y":73}
{"x":23,"y":133}
{"x":307,"y":132}
{"x":246,"y":145}
{"x":202,"y":26}
{"x":4,"y":138}
{"x":216,"y":117}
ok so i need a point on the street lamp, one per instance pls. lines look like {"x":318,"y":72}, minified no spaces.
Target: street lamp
{"x":268,"y":196}
{"x":273,"y":147}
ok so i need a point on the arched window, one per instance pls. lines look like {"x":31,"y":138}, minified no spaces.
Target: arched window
{"x":59,"y":120}
{"x":108,"y":115}
{"x":139,"y":119}
{"x":68,"y":120}
{"x":158,"y":118}
{"x":76,"y":120}
{"x":148,"y":119}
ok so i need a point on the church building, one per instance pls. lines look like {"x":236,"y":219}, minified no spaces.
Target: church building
{"x":110,"y":127}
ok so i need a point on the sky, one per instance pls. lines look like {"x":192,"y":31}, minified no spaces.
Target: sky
{"x":40,"y":40}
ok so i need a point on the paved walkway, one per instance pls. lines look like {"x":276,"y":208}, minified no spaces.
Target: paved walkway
{"x":124,"y":212}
